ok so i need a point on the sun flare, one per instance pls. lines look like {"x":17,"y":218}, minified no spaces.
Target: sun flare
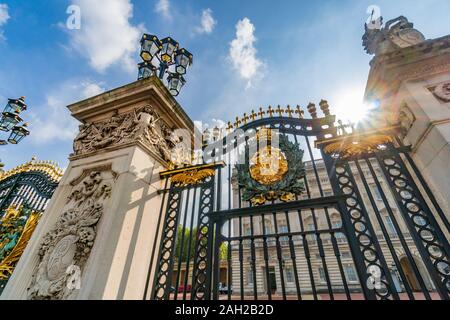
{"x":349,"y":105}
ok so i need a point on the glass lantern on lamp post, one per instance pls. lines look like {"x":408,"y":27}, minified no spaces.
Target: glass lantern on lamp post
{"x":150,"y":46}
{"x":183,"y":60}
{"x":164,"y":59}
{"x":146,"y":70}
{"x":18,"y":133}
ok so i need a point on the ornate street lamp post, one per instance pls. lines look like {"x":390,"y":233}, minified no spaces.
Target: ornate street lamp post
{"x":10,"y":123}
{"x":164,"y":59}
{"x":10,"y":120}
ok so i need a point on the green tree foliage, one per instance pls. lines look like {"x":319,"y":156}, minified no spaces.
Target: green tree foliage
{"x":185,"y":252}
{"x":178,"y":247}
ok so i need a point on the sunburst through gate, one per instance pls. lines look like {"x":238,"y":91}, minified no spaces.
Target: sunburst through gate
{"x":330,"y":213}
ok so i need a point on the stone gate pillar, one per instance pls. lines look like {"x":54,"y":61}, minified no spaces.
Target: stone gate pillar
{"x":96,"y":237}
{"x":410,"y":79}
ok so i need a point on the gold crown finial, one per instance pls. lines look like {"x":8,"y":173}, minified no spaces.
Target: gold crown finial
{"x":325,"y":107}
{"x":312,"y":110}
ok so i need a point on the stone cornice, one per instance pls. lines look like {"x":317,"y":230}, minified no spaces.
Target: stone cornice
{"x":417,"y":51}
{"x":150,"y":91}
{"x":155,"y":155}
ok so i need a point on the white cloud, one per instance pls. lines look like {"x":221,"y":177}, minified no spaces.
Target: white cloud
{"x":53,"y":122}
{"x":243,"y":52}
{"x":207,"y":22}
{"x":163,"y":7}
{"x":4,"y":17}
{"x":106,"y":36}
{"x":90,"y":90}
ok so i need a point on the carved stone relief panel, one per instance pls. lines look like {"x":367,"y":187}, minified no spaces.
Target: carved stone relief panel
{"x":442,"y":91}
{"x":143,"y":125}
{"x":66,"y":248}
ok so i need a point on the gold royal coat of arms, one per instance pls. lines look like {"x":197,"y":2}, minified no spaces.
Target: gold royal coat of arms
{"x":272,"y":172}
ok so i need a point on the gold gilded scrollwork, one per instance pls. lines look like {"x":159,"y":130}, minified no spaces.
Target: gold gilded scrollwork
{"x":192,"y":177}
{"x":49,"y":168}
{"x":15,"y":239}
{"x":352,"y":147}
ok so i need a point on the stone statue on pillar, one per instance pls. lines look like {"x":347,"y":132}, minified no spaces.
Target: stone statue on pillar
{"x":397,"y":33}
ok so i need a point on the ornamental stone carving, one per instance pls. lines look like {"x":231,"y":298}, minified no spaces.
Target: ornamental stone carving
{"x":143,"y":125}
{"x":69,"y":244}
{"x":442,"y":92}
{"x":396,"y":34}
{"x":406,"y":120}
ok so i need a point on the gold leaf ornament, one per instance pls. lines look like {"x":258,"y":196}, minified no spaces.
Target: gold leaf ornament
{"x":354,"y":147}
{"x":8,"y":263}
{"x":192,"y":177}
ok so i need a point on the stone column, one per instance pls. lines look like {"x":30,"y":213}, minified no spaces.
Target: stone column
{"x":411,"y":82}
{"x":96,"y":237}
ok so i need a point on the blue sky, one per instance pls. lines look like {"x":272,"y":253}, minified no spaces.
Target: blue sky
{"x":247,"y":54}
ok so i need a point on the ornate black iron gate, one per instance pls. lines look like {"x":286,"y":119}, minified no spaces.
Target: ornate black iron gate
{"x":362,"y":224}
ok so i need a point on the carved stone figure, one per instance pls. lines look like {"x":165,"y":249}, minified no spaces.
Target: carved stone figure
{"x":71,"y":240}
{"x":406,"y":119}
{"x":82,"y":135}
{"x":442,"y":92}
{"x":142,"y":125}
{"x":396,"y":34}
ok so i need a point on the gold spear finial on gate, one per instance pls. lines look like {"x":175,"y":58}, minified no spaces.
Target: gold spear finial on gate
{"x":289,"y":111}
{"x":238,"y":122}
{"x":253,"y":115}
{"x":270,"y":112}
{"x":245,"y":118}
{"x":300,"y":112}
{"x":261,"y":113}
{"x":280,"y":111}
